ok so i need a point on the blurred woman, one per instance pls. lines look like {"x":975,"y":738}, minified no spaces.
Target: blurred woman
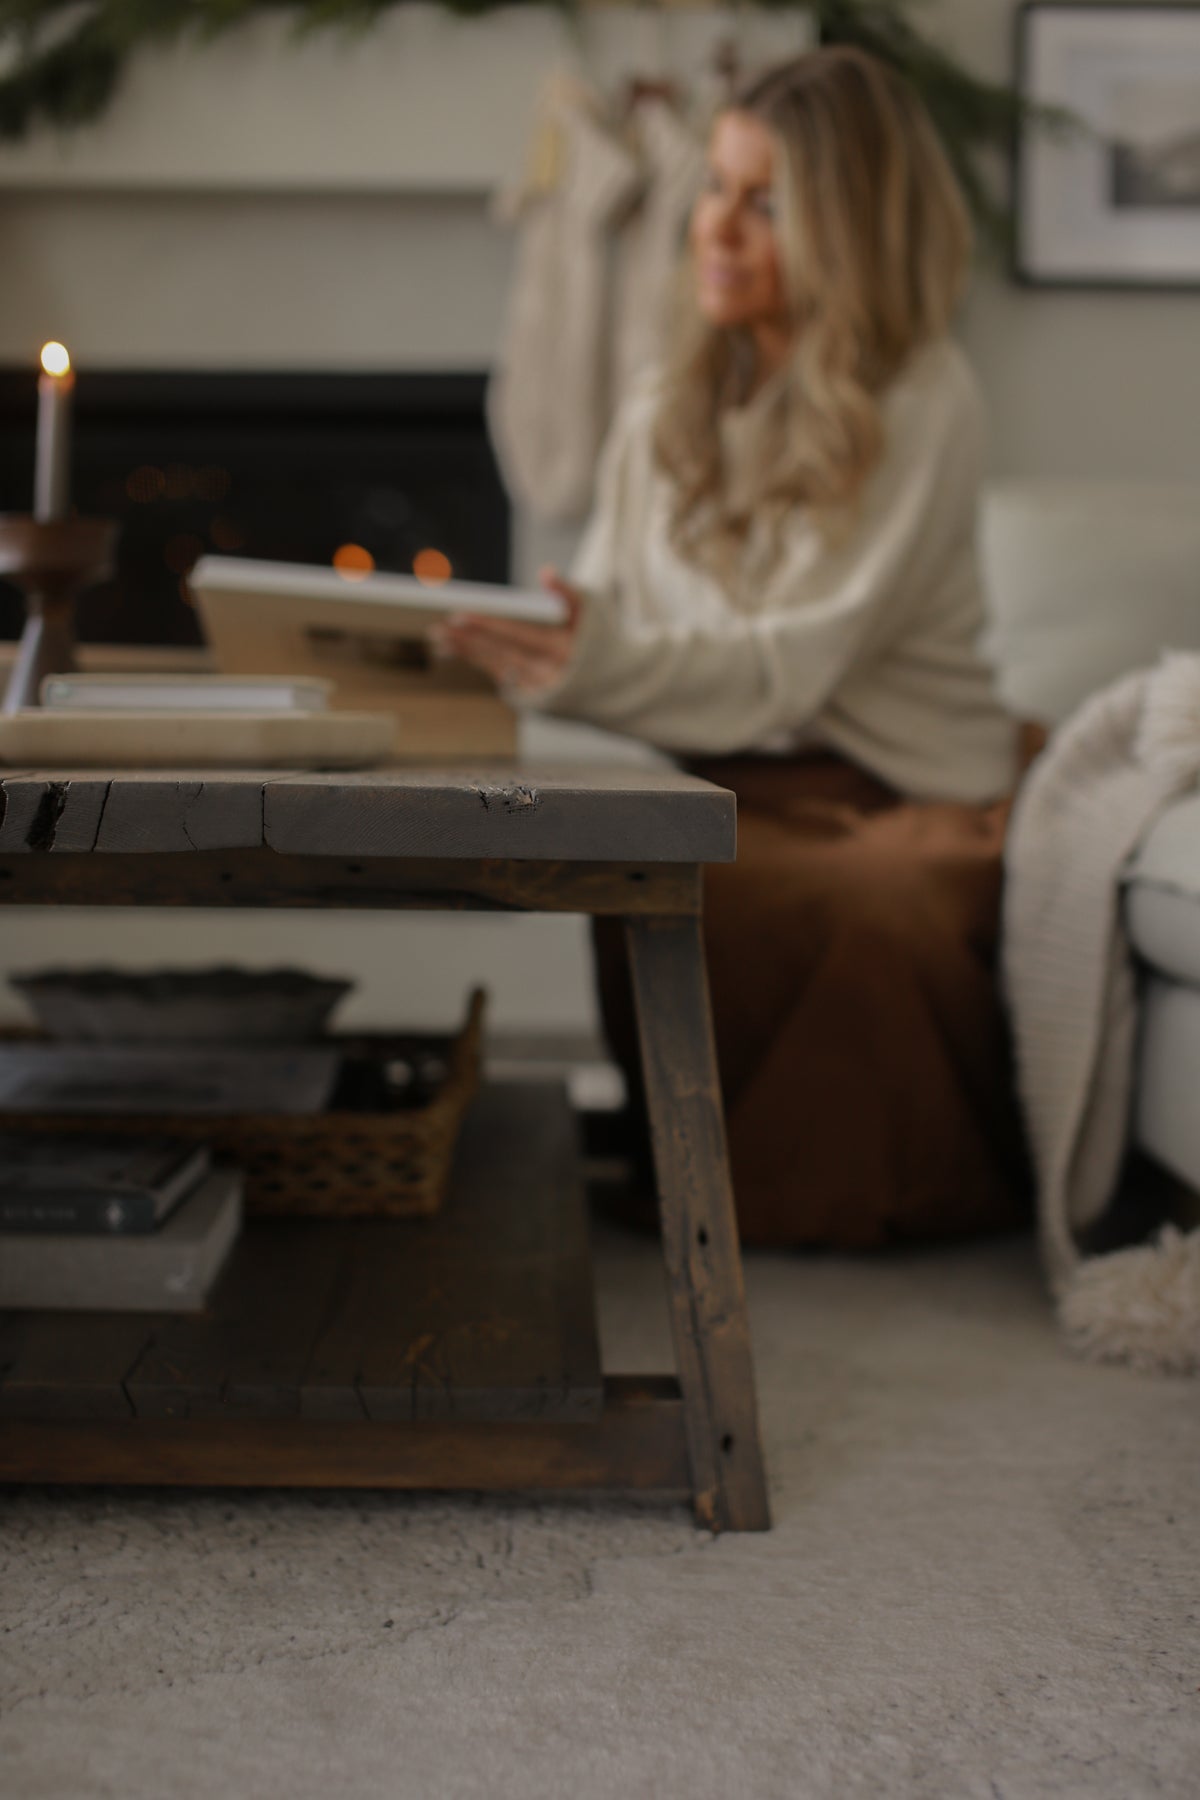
{"x":779,"y":586}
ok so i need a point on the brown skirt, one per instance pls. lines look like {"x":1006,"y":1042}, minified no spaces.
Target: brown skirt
{"x":862,"y":1046}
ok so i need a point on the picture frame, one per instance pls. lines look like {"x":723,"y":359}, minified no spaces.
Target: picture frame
{"x":1110,"y":199}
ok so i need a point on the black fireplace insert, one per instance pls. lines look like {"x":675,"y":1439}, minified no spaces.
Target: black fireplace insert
{"x":293,"y":467}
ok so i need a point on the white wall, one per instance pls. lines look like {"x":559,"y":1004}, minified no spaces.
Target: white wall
{"x":1078,"y":383}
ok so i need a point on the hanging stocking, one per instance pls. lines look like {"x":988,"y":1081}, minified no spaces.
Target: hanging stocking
{"x":548,"y":401}
{"x":652,"y":242}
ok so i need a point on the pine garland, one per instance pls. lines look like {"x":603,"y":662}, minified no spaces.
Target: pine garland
{"x":66,"y":57}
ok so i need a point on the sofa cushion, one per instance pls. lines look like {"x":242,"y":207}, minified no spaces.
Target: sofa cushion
{"x":1162,"y":893}
{"x":1086,"y":580}
{"x":1166,"y":1117}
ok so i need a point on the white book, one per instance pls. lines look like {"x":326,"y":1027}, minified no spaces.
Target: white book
{"x":168,"y":1270}
{"x":185,"y":693}
{"x":305,"y":581}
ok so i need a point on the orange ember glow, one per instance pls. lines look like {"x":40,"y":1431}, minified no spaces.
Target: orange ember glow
{"x":432,"y":566}
{"x":352,"y":561}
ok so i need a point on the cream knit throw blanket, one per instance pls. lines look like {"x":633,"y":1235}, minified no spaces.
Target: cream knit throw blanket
{"x":1085,"y":805}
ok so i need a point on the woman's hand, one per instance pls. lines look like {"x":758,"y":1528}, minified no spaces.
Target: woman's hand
{"x":514,"y":654}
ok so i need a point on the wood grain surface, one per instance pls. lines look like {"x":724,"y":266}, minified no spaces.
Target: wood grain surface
{"x":484,"y":1311}
{"x":699,"y":1227}
{"x":382,"y":884}
{"x":637,"y":1443}
{"x":578,"y":813}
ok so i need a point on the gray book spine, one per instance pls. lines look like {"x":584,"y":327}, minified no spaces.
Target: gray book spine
{"x":91,"y":1213}
{"x":98,"y":1209}
{"x":168,"y":1270}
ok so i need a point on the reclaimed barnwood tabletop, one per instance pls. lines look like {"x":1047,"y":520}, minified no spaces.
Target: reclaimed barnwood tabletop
{"x":95,"y":1398}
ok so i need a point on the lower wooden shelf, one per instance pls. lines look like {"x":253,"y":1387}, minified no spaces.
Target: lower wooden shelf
{"x":484,"y":1313}
{"x":637,"y":1443}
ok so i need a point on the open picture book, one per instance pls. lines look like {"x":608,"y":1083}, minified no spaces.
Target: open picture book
{"x":411,"y":604}
{"x":367,"y":634}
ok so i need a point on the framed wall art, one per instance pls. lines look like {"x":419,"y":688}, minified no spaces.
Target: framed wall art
{"x":1111,"y":199}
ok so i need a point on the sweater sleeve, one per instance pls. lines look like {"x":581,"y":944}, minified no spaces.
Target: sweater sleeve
{"x":724,"y":687}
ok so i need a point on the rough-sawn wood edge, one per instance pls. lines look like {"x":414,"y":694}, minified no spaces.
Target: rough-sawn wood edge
{"x":578,"y":815}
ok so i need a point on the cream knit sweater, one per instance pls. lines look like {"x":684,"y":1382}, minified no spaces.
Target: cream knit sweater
{"x":869,"y":649}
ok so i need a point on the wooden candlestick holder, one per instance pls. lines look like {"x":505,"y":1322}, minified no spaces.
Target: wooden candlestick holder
{"x":52,"y":561}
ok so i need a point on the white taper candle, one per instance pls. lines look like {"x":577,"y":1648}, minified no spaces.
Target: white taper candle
{"x":52,"y":460}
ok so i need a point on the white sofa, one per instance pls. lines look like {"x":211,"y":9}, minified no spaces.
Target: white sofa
{"x":1088,"y":580}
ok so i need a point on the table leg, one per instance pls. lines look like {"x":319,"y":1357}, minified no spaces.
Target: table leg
{"x":700,"y":1241}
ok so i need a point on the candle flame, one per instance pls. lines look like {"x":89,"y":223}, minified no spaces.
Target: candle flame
{"x":55,"y":359}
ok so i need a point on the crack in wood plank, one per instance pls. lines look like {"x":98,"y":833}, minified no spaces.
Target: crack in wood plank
{"x":50,"y":808}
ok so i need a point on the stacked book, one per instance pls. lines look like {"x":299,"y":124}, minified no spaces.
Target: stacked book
{"x":201,"y":721}
{"x":132,"y":1225}
{"x":184,"y":693}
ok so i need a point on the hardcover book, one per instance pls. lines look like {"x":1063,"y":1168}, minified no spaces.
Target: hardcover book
{"x":93,"y":1185}
{"x":367,"y":635}
{"x":180,"y":737}
{"x":185,"y":693}
{"x":401,"y":596}
{"x":168,"y":1270}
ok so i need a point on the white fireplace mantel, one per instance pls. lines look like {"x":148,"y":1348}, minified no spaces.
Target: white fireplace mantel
{"x":423,"y":102}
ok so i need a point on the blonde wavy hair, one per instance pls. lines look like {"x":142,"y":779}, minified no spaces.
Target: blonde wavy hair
{"x":874,"y":247}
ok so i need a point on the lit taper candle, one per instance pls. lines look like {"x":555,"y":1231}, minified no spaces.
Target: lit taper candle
{"x":52,"y":464}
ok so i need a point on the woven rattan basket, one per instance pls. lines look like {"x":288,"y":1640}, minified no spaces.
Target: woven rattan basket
{"x":393,"y":1164}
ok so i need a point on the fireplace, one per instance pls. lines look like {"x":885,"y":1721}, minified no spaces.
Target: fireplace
{"x":289,"y":467}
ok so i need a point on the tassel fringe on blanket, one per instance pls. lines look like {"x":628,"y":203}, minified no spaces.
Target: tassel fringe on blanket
{"x":1139,"y":1306}
{"x":1068,"y":970}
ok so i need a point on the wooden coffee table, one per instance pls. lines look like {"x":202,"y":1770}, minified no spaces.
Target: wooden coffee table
{"x":458,"y":1352}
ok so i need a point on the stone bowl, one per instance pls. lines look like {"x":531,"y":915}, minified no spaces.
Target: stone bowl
{"x":218,"y":1005}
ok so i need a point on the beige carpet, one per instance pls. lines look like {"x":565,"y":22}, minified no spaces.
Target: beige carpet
{"x":983,"y":1581}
